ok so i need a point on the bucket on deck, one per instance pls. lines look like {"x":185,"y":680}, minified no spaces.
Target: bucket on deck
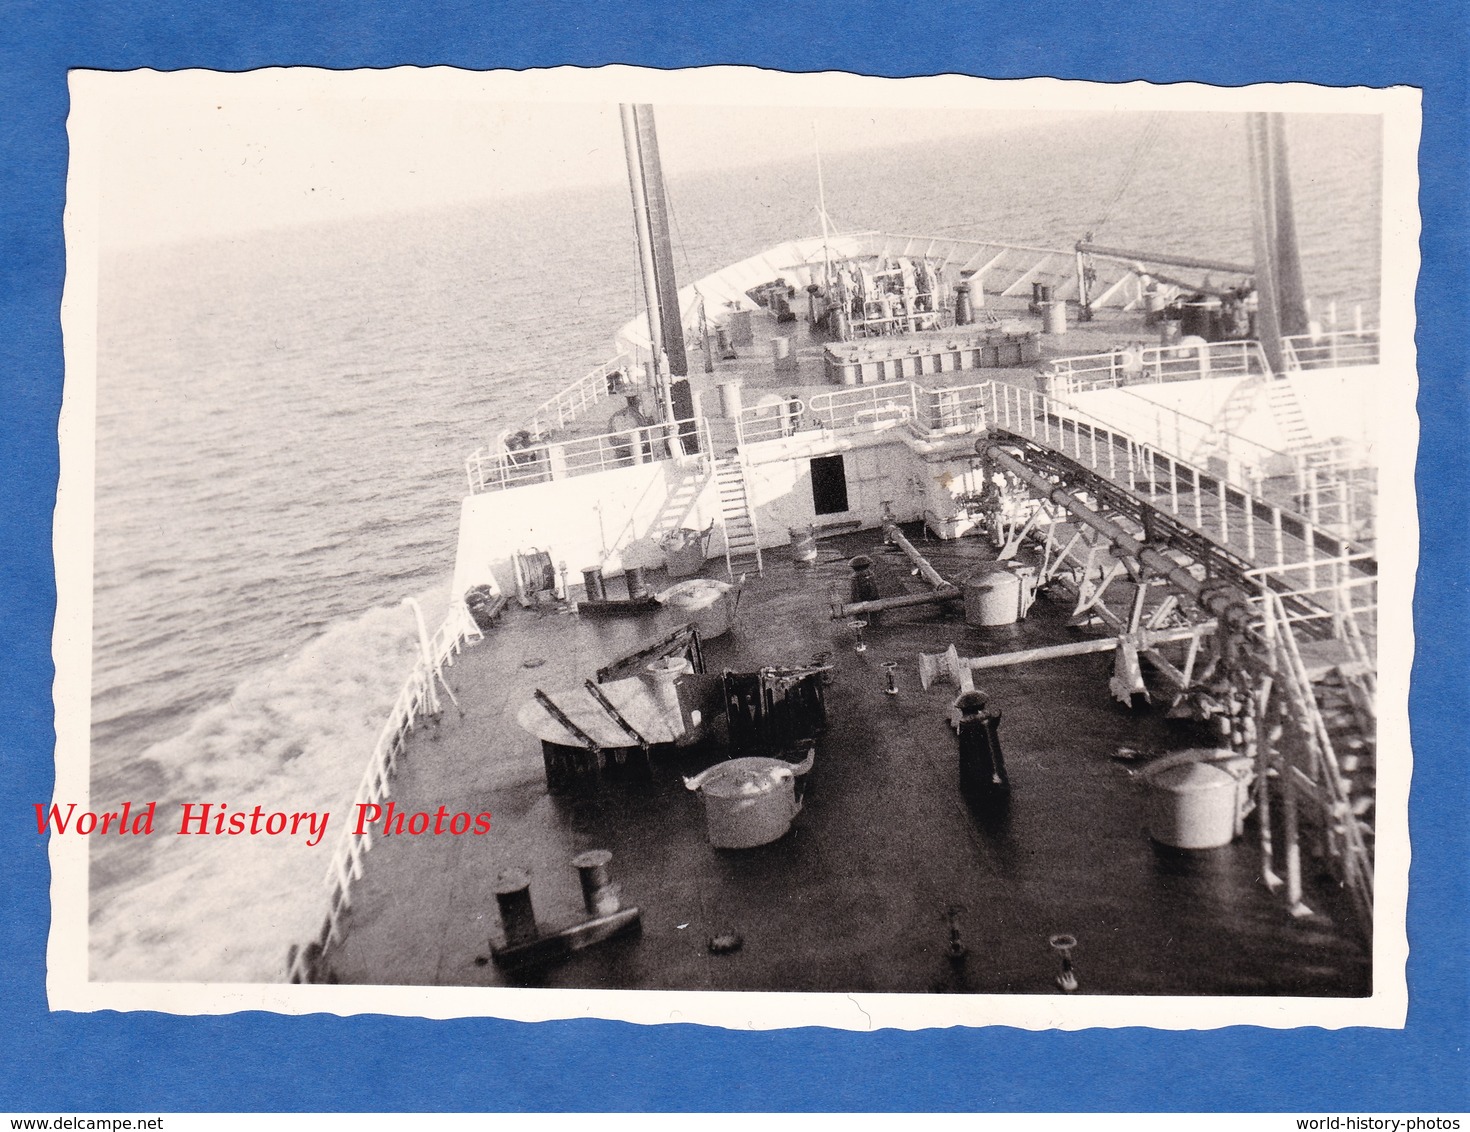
{"x":803,"y":545}
{"x":684,"y":551}
{"x":1193,"y":804}
{"x":993,"y":599}
{"x":1055,"y":316}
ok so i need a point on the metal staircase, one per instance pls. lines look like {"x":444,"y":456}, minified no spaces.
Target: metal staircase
{"x":1286,"y":410}
{"x":742,"y":546}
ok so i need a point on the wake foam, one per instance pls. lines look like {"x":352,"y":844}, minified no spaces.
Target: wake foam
{"x":293,"y":737}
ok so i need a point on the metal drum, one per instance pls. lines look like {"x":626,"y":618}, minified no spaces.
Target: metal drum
{"x":993,"y":599}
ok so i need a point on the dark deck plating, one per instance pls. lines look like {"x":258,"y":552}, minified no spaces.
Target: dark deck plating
{"x":859,"y":895}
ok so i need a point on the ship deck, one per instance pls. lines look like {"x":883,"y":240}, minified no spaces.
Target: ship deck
{"x":856,"y":897}
{"x":755,"y":371}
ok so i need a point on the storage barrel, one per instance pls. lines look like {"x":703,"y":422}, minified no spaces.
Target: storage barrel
{"x":993,"y":599}
{"x":748,"y":802}
{"x":730,"y":399}
{"x":782,"y":356}
{"x":1193,"y":806}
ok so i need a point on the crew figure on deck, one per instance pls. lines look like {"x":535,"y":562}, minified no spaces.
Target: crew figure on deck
{"x":982,"y":764}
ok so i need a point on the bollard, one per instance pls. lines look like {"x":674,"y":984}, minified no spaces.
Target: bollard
{"x":598,"y":892}
{"x":517,"y":917}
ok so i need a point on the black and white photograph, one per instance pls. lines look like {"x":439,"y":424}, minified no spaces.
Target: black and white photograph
{"x":889,"y":552}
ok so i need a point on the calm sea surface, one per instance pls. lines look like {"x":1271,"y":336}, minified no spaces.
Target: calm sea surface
{"x":282,"y":420}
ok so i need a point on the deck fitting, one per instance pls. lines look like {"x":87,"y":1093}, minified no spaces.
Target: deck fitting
{"x":1063,"y":944}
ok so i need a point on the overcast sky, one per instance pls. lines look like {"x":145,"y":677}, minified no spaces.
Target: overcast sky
{"x":167,"y":157}
{"x":175,"y":169}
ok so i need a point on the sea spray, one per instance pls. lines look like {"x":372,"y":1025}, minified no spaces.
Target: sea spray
{"x":292,"y":737}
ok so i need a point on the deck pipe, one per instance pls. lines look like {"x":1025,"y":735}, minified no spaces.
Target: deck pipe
{"x":1231,"y":609}
{"x":952,"y":593}
{"x":943,"y":590}
{"x":895,"y":536}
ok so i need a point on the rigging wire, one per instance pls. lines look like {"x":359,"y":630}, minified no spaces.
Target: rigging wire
{"x":1150,"y":134}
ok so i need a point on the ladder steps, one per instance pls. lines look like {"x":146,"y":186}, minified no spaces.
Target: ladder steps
{"x":742,"y":542}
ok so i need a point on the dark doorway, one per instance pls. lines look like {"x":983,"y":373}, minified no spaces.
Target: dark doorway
{"x":829,"y":485}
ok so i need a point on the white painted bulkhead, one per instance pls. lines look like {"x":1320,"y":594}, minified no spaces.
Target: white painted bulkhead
{"x":915,"y":478}
{"x":614,"y":519}
{"x":611,"y":520}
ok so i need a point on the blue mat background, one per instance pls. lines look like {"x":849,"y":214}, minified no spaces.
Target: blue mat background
{"x":141,"y":1062}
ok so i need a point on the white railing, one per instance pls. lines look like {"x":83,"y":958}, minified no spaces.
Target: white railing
{"x":866,"y":408}
{"x":1329,"y":483}
{"x":1328,"y":588}
{"x":1244,"y":462}
{"x":1331,"y":349}
{"x":958,"y":408}
{"x":572,"y":402}
{"x":772,"y":420}
{"x":546,"y":461}
{"x":416,"y":698}
{"x":1145,"y":365}
{"x":1213,"y":501}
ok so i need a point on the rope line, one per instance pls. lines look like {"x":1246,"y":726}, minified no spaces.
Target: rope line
{"x":1146,"y":139}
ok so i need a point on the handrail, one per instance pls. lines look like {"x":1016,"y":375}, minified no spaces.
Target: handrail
{"x":1147,"y":365}
{"x":867,"y":407}
{"x":771,"y":421}
{"x":1304,"y":481}
{"x":557,"y":460}
{"x":1331,"y":349}
{"x":1203,"y":499}
{"x":568,"y":404}
{"x":413,"y":701}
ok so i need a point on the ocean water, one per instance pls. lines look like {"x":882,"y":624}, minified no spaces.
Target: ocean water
{"x":282,"y":419}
